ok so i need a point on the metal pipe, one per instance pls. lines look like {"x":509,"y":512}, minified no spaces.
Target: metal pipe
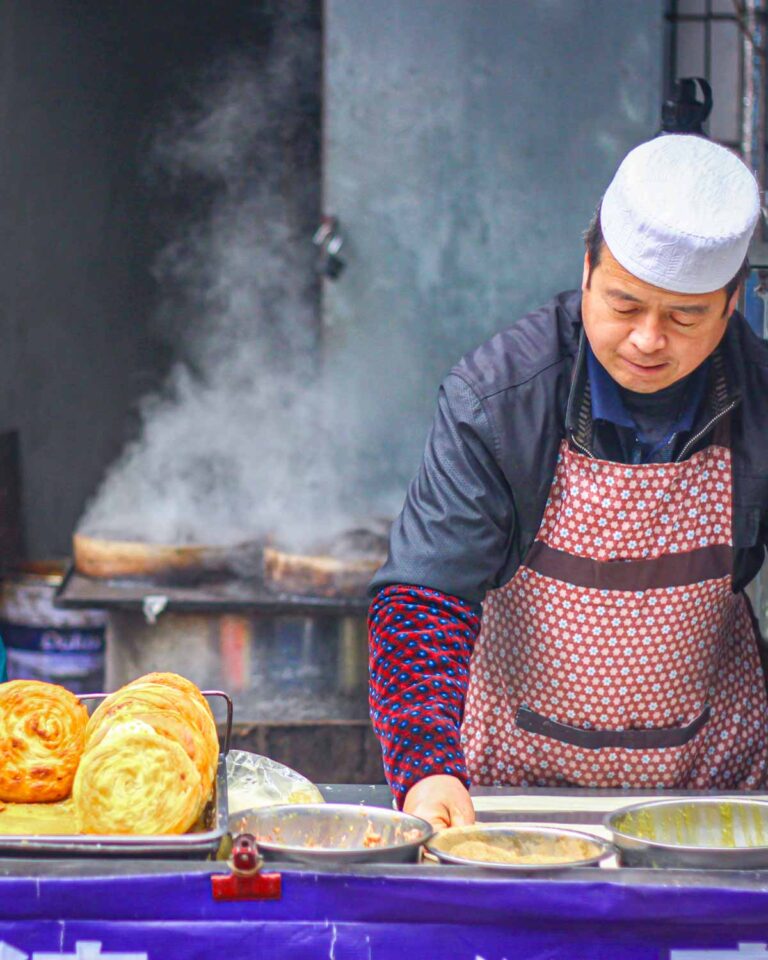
{"x":752,"y":24}
{"x":753,"y":94}
{"x":708,"y":42}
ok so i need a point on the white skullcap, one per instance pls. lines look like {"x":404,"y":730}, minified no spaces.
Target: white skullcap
{"x":680,"y":212}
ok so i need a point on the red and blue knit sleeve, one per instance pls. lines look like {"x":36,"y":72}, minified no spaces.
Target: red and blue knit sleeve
{"x":420,"y":645}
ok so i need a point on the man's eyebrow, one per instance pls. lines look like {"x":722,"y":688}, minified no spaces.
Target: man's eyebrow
{"x":695,"y":308}
{"x":622,"y":295}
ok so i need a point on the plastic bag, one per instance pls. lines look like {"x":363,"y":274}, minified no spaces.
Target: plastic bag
{"x":255,"y":781}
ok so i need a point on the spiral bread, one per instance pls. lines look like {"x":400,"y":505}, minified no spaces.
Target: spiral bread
{"x":144,"y":763}
{"x":136,"y":781}
{"x":151,"y":750}
{"x":175,"y":710}
{"x":42,"y":736}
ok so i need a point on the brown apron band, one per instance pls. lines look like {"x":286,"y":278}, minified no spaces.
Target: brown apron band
{"x":643,"y":739}
{"x":670,"y":570}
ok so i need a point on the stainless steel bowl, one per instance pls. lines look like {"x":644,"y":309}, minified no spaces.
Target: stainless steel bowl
{"x":699,"y":833}
{"x":523,"y":839}
{"x":333,"y":833}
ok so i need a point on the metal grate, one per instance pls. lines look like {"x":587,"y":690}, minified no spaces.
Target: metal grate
{"x":78,"y":593}
{"x":705,"y":39}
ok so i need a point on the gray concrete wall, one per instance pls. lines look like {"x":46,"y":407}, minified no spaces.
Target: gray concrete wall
{"x":83,"y":84}
{"x":73,"y":305}
{"x":466,"y":146}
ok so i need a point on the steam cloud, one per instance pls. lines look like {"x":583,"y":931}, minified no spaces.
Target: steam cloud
{"x":249,"y":435}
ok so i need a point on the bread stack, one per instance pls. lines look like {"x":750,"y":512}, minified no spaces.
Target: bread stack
{"x":42,"y":736}
{"x":150,"y":759}
{"x":144,"y":763}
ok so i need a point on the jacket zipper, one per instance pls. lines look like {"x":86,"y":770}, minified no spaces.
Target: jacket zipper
{"x":705,"y":429}
{"x":581,"y":447}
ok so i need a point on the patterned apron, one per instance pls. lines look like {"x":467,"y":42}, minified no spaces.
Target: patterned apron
{"x":618,"y":655}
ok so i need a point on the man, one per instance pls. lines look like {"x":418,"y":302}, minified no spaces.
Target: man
{"x":597,"y":478}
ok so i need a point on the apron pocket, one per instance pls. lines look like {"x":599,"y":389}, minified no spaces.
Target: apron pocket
{"x":642,"y":739}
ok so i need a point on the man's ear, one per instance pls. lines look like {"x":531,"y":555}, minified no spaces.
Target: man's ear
{"x":734,"y":299}
{"x":585,"y":272}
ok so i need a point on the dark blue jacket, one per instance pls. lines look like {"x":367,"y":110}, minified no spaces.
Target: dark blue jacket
{"x":477,"y":502}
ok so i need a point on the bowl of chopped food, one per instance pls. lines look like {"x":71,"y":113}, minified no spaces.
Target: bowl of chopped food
{"x":317,"y":833}
{"x":518,"y":848}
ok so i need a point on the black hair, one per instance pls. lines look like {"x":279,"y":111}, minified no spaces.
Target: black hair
{"x":594,"y":241}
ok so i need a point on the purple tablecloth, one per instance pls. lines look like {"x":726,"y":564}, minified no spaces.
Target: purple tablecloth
{"x":173,"y":917}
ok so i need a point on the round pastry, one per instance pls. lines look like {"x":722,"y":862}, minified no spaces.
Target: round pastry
{"x":112,"y":558}
{"x":42,"y":737}
{"x":179,"y":683}
{"x":320,"y":575}
{"x":189,"y":702}
{"x":117,"y":557}
{"x":167,"y":723}
{"x":175,"y":708}
{"x":339,"y":567}
{"x":155,"y":696}
{"x":136,"y":781}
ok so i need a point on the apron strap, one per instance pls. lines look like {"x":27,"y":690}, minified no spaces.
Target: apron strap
{"x":641,"y":739}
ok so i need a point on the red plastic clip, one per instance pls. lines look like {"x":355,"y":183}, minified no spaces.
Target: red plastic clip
{"x":246,"y":882}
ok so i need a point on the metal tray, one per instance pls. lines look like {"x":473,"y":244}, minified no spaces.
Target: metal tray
{"x":440,"y":846}
{"x":187,"y":846}
{"x":709,"y":833}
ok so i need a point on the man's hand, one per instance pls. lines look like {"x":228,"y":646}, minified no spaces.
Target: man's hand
{"x":441,"y":799}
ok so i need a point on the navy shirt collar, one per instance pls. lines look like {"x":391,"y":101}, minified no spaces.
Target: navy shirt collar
{"x":606,"y":399}
{"x":607,"y":403}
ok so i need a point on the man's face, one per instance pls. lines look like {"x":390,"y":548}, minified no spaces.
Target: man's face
{"x":646,"y":337}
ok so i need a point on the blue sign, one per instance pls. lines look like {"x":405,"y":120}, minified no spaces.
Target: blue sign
{"x":744,"y":951}
{"x":83,"y":950}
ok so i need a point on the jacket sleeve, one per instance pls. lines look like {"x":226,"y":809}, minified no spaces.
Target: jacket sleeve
{"x":420,"y":645}
{"x":456,"y":528}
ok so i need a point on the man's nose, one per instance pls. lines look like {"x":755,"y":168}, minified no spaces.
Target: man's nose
{"x":647,"y":334}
